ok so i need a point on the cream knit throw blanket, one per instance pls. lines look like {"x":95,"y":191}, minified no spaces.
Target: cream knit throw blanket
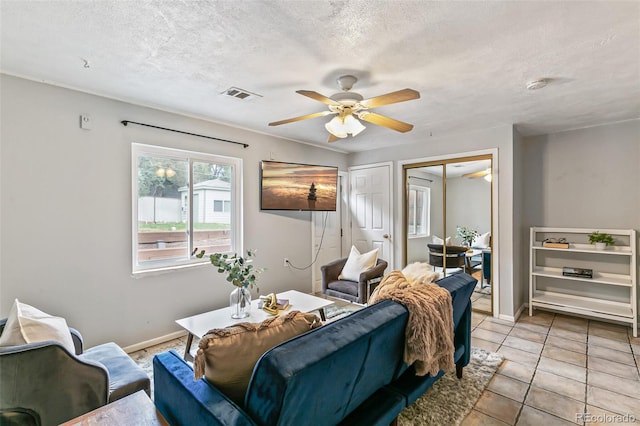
{"x":429,"y":330}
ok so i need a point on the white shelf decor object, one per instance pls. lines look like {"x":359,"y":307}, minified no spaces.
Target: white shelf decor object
{"x":611,"y":294}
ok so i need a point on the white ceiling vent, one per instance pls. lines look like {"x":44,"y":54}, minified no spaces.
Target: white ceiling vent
{"x":236,"y":92}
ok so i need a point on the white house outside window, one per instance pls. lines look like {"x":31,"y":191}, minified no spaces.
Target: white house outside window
{"x":183,"y":200}
{"x":418,"y":218}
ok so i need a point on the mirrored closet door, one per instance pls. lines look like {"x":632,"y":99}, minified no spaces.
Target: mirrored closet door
{"x":448,"y":207}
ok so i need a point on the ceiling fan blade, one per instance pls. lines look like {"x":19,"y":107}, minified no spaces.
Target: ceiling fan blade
{"x":332,"y":138}
{"x":318,"y":97}
{"x":381,"y":120}
{"x":390,"y":98}
{"x":302,"y":117}
{"x":474,"y":175}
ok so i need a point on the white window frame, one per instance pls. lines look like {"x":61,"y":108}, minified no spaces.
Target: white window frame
{"x":426,"y":212}
{"x":190,"y":156}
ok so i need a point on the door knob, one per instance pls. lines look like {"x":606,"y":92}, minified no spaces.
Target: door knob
{"x":387,"y":236}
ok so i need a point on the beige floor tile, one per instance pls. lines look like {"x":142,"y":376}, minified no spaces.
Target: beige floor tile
{"x":491,"y":336}
{"x":518,"y":355}
{"x":578,"y":325}
{"x":523,"y":333}
{"x":482,"y":304}
{"x":498,"y":406}
{"x":476,"y":320}
{"x":565,"y":355}
{"x":538,"y":317}
{"x":506,"y":386}
{"x":616,"y":384}
{"x":610,"y":354}
{"x":608,"y":326}
{"x":609,"y":334}
{"x":494,"y":326}
{"x":596,"y":416}
{"x":567,"y":334}
{"x":530,"y":416}
{"x":522,"y":344}
{"x":517,"y":371}
{"x":625,"y":371}
{"x":477,"y":418}
{"x":484,"y":344}
{"x":500,"y":321}
{"x":551,"y":402}
{"x":633,"y":340}
{"x":537,"y":328}
{"x":609,"y":343}
{"x":635,"y":348}
{"x":560,"y":385}
{"x":570,"y":345}
{"x":563,"y":369}
{"x":613,"y":401}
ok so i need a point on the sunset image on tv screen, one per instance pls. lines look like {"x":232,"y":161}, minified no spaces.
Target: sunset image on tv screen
{"x":289,"y":186}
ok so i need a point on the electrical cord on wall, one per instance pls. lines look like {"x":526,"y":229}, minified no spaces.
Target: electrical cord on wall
{"x":315,"y":258}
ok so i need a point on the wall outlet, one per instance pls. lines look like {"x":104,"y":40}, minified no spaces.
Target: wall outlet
{"x":285,"y":262}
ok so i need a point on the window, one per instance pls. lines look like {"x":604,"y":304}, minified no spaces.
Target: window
{"x":418,"y":219}
{"x":183,"y":200}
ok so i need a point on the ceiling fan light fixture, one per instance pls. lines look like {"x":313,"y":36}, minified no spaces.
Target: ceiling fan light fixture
{"x":336,"y":127}
{"x":353,"y":126}
{"x":488,"y":177}
{"x":342,"y":127}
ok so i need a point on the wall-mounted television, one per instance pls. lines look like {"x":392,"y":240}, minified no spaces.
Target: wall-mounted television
{"x":293,"y":186}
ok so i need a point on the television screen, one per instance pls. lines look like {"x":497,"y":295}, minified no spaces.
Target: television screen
{"x":291,"y":186}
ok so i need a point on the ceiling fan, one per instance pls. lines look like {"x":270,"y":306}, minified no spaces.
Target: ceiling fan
{"x":346,"y":106}
{"x":486,"y":174}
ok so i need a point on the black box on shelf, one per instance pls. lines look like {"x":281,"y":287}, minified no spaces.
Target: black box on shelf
{"x":577,"y":272}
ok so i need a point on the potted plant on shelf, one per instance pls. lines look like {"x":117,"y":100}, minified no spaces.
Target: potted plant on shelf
{"x":601,"y":240}
{"x":241,"y":273}
{"x":467,"y":235}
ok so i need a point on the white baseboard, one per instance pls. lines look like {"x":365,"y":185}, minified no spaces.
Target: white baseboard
{"x":515,"y":317}
{"x":156,"y":341}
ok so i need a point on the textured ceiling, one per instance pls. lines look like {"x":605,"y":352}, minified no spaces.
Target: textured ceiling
{"x":469,"y":60}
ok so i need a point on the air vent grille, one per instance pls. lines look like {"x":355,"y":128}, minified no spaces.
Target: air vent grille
{"x":236,"y":92}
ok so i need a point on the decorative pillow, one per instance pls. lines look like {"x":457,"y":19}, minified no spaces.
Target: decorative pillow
{"x":226,"y":356}
{"x":419,"y":273}
{"x":358,"y":263}
{"x":437,"y":240}
{"x":26,"y":324}
{"x":482,"y":241}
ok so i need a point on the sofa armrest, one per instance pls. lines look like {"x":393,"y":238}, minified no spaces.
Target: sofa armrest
{"x":185,"y":401}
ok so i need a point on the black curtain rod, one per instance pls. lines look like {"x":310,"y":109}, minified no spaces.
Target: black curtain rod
{"x":125,"y":122}
{"x":416,"y":177}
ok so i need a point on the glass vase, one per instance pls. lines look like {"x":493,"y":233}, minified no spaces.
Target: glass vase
{"x":240,"y":302}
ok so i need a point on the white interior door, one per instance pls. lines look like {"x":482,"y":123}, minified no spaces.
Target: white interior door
{"x":327,"y":236}
{"x":370,"y":206}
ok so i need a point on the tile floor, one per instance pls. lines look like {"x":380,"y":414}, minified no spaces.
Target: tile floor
{"x":556,"y":369}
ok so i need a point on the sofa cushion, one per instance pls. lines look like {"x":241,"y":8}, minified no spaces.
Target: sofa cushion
{"x":358,"y":263}
{"x":26,"y":324}
{"x":227,"y":356}
{"x":482,"y":240}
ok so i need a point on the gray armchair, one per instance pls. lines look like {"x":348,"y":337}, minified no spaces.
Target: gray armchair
{"x":43,"y":384}
{"x":351,"y":290}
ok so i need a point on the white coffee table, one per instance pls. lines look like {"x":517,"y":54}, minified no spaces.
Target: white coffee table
{"x":198,"y":325}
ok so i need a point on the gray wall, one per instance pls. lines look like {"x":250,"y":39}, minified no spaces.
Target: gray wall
{"x":65,"y":217}
{"x":587,"y":178}
{"x":468,"y":204}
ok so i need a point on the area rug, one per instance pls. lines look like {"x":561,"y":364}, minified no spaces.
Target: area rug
{"x":450,"y":399}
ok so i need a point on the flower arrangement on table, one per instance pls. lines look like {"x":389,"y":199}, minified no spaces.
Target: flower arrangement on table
{"x":241,"y":273}
{"x":467,"y":235}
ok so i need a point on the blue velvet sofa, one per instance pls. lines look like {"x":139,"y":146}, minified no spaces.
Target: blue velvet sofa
{"x":349,"y":372}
